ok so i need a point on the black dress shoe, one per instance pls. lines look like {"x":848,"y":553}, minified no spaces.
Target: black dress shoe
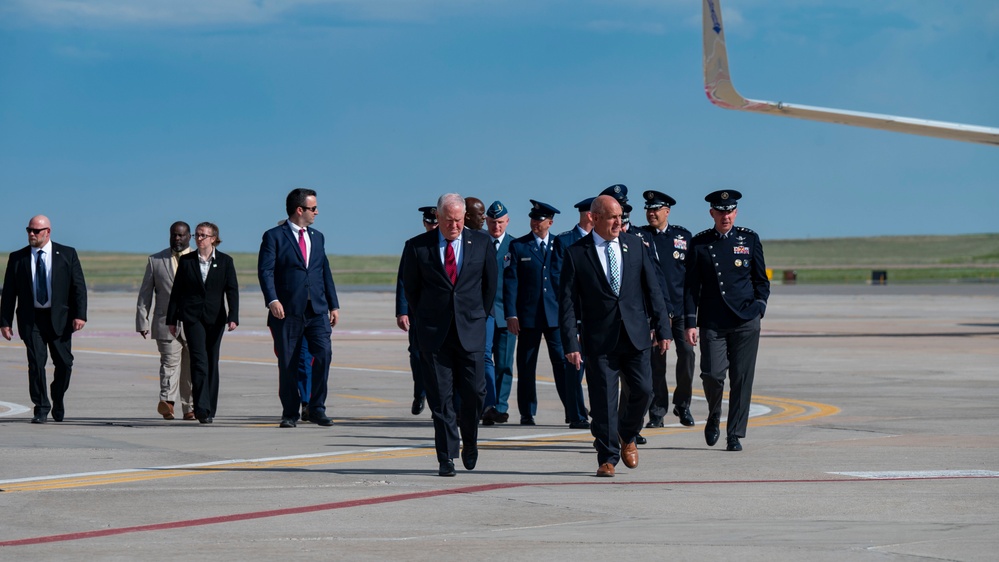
{"x":502,"y":417}
{"x":733,"y":444}
{"x":711,"y":432}
{"x":581,"y":424}
{"x":469,"y":456}
{"x":288,"y":422}
{"x":418,"y":404}
{"x":489,"y":416}
{"x":684,"y":415}
{"x":204,"y":419}
{"x":57,"y":416}
{"x":39,"y":419}
{"x":323,"y":421}
{"x":527,"y":420}
{"x":639,"y":440}
{"x":655,"y":422}
{"x":305,"y":412}
{"x":446,"y":469}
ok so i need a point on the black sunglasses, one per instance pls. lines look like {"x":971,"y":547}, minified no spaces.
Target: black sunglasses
{"x":35,"y":231}
{"x":312,"y":208}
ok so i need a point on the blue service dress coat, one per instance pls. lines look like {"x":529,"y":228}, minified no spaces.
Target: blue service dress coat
{"x":726,"y":283}
{"x":530,"y":283}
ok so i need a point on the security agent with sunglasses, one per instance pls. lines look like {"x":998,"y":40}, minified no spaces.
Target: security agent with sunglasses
{"x":297,"y":283}
{"x":44,"y":284}
{"x":725,"y":294}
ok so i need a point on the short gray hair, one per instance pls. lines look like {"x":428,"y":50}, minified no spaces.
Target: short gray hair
{"x":450,"y":200}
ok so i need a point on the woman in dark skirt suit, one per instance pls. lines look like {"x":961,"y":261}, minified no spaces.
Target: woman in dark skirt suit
{"x":203,"y":278}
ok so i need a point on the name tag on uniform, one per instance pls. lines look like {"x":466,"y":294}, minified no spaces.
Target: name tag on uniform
{"x":742,"y":250}
{"x":525,"y":259}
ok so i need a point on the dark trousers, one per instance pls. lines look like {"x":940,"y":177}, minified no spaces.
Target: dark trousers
{"x":416,"y":364}
{"x":504,"y":344}
{"x":731,"y":350}
{"x":528,"y":346}
{"x":203,"y":344}
{"x":39,"y":341}
{"x":684,"y":376}
{"x":305,"y":375}
{"x":289,"y":334}
{"x":608,"y":424}
{"x":455,"y":367}
{"x":490,"y":367}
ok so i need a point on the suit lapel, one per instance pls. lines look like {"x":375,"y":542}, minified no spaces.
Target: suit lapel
{"x":294,"y":243}
{"x":591,"y":254}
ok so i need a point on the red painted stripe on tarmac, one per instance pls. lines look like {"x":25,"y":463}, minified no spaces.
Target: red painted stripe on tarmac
{"x":416,"y":496}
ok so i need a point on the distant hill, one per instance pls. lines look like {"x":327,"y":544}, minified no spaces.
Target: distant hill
{"x":905,"y":259}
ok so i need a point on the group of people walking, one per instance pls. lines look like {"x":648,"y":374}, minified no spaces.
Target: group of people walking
{"x":608,"y":300}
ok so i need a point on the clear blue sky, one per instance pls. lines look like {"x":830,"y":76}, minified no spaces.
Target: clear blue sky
{"x":118,"y":117}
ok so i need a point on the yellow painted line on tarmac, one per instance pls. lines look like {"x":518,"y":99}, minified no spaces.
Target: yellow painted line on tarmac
{"x":783,"y":411}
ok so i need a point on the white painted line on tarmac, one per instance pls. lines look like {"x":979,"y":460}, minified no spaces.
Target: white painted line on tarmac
{"x":12,"y":409}
{"x":920,"y":474}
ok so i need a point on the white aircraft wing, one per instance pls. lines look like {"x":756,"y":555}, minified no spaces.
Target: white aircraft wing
{"x":718,"y":86}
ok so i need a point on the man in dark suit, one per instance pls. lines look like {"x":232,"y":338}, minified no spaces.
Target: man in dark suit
{"x":404,"y":322}
{"x":450,"y":280}
{"x":298,"y":288}
{"x":725,"y":295}
{"x":670,"y":242}
{"x":44,"y":284}
{"x":609,"y":284}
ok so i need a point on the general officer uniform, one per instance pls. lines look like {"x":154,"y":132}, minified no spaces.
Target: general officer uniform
{"x":530,"y":286}
{"x":402,"y":308}
{"x":671,"y":246}
{"x":725,"y":296}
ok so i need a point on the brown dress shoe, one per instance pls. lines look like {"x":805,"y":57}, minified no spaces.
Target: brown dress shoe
{"x":606,"y":470}
{"x":629,"y":454}
{"x":165,"y":409}
{"x":190,"y":416}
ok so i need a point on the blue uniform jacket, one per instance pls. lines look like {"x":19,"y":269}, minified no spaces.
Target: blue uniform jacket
{"x":726,"y":282}
{"x":530,"y":283}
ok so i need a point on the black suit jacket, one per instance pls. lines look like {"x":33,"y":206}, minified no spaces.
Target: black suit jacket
{"x":69,"y":291}
{"x":601,"y":313}
{"x":192,"y":300}
{"x":435,"y":302}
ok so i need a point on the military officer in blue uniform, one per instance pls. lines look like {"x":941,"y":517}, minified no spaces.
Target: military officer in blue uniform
{"x":671,"y":243}
{"x":500,"y":342}
{"x":404,"y":322}
{"x":725,"y":297}
{"x":530,"y":300}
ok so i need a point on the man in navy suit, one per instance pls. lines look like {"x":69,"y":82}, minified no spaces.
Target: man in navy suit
{"x":45,"y":282}
{"x":609,"y":284}
{"x":297,"y":283}
{"x":449,"y":276}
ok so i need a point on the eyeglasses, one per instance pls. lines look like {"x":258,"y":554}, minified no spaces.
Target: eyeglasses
{"x":201,"y":236}
{"x":35,"y":231}
{"x":312,"y":208}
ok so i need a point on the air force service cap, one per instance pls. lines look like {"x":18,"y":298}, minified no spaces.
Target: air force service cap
{"x":657,"y":200}
{"x":724,"y":199}
{"x":618,"y":191}
{"x":585,"y":204}
{"x":429,"y":214}
{"x":496,"y":210}
{"x":541,"y":211}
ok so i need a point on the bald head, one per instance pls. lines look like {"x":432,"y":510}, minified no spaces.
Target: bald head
{"x":39,"y":231}
{"x":606,"y":213}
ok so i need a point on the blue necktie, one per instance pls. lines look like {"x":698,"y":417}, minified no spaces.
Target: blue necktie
{"x":41,"y":280}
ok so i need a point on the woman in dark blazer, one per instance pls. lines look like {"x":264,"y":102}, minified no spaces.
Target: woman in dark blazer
{"x":203,"y":278}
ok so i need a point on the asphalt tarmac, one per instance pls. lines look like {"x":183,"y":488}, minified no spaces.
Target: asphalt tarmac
{"x":874,"y":437}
